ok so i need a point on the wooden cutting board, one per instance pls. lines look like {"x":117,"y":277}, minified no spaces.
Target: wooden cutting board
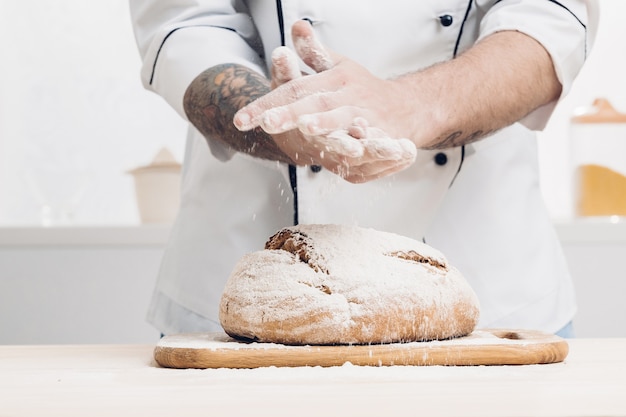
{"x":482,"y":347}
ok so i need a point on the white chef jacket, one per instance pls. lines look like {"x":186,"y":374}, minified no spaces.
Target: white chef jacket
{"x":479,"y":204}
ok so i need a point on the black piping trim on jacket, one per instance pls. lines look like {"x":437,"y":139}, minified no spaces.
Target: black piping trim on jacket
{"x":293,"y":181}
{"x":570,"y":12}
{"x":575,"y":17}
{"x":563,"y":6}
{"x":156,"y":58}
{"x":460,"y":165}
{"x":456,"y":50}
{"x":281,"y":21}
{"x":293,"y":174}
{"x":458,"y":39}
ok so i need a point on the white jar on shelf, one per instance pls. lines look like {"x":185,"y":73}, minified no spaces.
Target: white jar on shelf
{"x":598,"y":156}
{"x":157,"y":188}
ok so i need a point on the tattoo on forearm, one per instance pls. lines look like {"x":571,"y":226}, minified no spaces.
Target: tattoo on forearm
{"x":214,"y":97}
{"x":458,"y":138}
{"x":449,"y":141}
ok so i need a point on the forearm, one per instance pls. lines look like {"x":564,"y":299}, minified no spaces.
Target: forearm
{"x":213,"y":98}
{"x":494,"y":84}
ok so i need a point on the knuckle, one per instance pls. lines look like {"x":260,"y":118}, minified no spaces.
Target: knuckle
{"x":326,"y":102}
{"x":359,"y":178}
{"x":294,"y":89}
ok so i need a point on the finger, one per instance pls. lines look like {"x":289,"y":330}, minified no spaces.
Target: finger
{"x":320,"y":122}
{"x":358,"y":174}
{"x":382,"y":157}
{"x":281,"y":118}
{"x":375,"y":171}
{"x":285,"y":66}
{"x":359,"y":128}
{"x":389,"y":149}
{"x":369,"y":171}
{"x":345,"y":117}
{"x":339,"y":146}
{"x":277,"y":120}
{"x":340,"y":118}
{"x":312,"y":52}
{"x":250,"y":116}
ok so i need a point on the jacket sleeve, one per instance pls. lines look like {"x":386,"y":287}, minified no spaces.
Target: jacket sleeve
{"x":565,"y":28}
{"x":178,"y":39}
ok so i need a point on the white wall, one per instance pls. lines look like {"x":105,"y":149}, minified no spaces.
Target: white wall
{"x":77,"y":295}
{"x":600,"y":288}
{"x":73,"y":114}
{"x":65,"y":286}
{"x":604,"y":75}
{"x":74,"y":117}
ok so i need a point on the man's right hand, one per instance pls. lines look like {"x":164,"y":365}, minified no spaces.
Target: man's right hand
{"x":358,"y":154}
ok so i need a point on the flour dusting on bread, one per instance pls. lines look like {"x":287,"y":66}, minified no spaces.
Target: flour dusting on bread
{"x":332,"y":284}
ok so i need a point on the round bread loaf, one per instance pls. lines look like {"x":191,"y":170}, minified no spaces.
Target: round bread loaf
{"x":331,"y":284}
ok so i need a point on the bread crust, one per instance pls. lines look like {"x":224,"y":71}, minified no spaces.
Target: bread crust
{"x":332,"y":284}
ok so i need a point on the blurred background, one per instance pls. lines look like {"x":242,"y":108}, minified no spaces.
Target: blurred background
{"x":78,"y":262}
{"x":74,"y":117}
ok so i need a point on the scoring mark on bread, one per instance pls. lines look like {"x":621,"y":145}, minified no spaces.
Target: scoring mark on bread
{"x":416,"y":257}
{"x":296,"y":243}
{"x":323,"y":288}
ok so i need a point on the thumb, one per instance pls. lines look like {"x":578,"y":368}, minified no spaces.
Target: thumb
{"x":285,"y":66}
{"x":310,"y":50}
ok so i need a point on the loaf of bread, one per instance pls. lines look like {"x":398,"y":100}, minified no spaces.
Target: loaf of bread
{"x":332,"y":284}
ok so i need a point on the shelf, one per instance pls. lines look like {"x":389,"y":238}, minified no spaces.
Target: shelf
{"x":587,"y":231}
{"x":592,"y":230}
{"x":140,"y":235}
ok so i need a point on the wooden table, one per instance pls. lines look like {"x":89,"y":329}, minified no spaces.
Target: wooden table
{"x":123,"y":380}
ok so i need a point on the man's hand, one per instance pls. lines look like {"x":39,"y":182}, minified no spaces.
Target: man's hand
{"x":495,"y":83}
{"x":346,"y":145}
{"x":340,"y":91}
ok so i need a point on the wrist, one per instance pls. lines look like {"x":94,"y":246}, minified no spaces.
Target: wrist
{"x":421,"y":110}
{"x":214,"y":97}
